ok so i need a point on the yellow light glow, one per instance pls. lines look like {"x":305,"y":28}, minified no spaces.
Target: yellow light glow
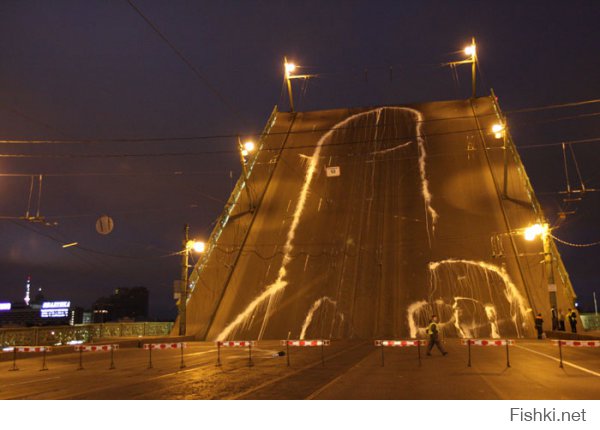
{"x":470,"y":50}
{"x":536,"y":230}
{"x":497,"y":128}
{"x":249,"y":146}
{"x":197,"y":246}
{"x":289,"y":67}
{"x":244,"y":153}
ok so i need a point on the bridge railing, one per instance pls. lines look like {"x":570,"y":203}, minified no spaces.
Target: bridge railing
{"x":53,"y":335}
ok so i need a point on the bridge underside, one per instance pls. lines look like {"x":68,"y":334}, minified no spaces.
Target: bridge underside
{"x":367,"y":221}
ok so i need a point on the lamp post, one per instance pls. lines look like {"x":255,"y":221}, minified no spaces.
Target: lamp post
{"x":543,"y":231}
{"x":289,"y":69}
{"x":471,"y":51}
{"x":188,"y":246}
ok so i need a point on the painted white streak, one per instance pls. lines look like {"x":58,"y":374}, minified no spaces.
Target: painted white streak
{"x":309,"y":316}
{"x":518,"y":305}
{"x":272,"y":291}
{"x":385,"y":151}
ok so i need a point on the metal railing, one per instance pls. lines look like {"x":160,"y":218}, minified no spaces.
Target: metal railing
{"x":60,"y":335}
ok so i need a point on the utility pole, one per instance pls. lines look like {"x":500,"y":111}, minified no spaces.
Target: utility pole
{"x":550,"y":275}
{"x":474,"y":65}
{"x":184,"y":281}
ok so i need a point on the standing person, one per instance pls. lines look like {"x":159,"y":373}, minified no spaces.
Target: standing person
{"x":554,"y":320}
{"x":561,"y":320}
{"x":572,"y":315}
{"x":539,"y":325}
{"x":434,"y":337}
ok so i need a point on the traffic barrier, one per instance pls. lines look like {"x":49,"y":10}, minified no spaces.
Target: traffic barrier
{"x":27,"y":349}
{"x":574,"y":343}
{"x":400,"y":343}
{"x":488,"y":342}
{"x":97,"y":348}
{"x":308,"y":343}
{"x":235,"y":344}
{"x":163,"y":346}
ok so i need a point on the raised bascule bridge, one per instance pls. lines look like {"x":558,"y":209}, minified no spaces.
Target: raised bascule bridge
{"x":361,"y":223}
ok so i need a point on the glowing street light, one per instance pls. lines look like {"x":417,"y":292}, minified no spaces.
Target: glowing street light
{"x":498,"y":130}
{"x":289,"y":69}
{"x":470,"y":51}
{"x":246,"y":149}
{"x":543,"y":231}
{"x":188,"y":246}
{"x":536,"y":230}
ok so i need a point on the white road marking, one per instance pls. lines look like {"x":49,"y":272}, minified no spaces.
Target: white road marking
{"x":30,"y":382}
{"x":583,"y":369}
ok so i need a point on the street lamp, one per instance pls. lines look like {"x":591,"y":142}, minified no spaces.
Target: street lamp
{"x":470,"y":51}
{"x":245,"y":150}
{"x":289,"y":69}
{"x":500,"y":132}
{"x":543,"y":231}
{"x":188,"y":247}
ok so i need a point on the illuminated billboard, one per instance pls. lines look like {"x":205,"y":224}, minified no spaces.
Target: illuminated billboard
{"x":55,"y":309}
{"x":5,"y":306}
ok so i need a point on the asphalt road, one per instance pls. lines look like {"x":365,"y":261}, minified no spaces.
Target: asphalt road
{"x":351,"y":370}
{"x":413,"y":221}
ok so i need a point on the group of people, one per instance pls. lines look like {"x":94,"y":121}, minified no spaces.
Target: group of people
{"x":558,"y":321}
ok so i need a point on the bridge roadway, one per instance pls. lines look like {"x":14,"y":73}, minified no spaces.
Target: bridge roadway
{"x":352,"y":370}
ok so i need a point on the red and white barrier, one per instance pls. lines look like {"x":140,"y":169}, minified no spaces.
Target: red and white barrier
{"x":584,"y":343}
{"x":96,"y":348}
{"x":236,"y":343}
{"x":574,"y":343}
{"x":28,"y":349}
{"x":400,"y":343}
{"x":31,"y":348}
{"x":165,"y":345}
{"x":488,"y":342}
{"x":318,"y":342}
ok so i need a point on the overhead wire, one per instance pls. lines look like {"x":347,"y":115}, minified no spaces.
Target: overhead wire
{"x":185,"y":60}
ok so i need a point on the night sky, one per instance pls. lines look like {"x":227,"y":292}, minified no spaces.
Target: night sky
{"x":96,"y":73}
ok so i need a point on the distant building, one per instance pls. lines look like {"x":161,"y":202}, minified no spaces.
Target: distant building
{"x":19,"y":314}
{"x":126,"y":304}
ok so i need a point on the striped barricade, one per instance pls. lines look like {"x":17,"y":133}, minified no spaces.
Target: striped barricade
{"x":576,"y":344}
{"x":306,"y":343}
{"x":235,"y":344}
{"x":164,"y":346}
{"x":97,"y":348}
{"x":488,"y":342}
{"x":28,"y":349}
{"x":400,"y":343}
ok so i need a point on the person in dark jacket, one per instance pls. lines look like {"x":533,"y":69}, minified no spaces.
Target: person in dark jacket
{"x":561,"y":320}
{"x":434,"y":336}
{"x":572,"y":315}
{"x":539,"y":325}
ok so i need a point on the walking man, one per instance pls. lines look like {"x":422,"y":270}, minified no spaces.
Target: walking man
{"x":539,"y":325}
{"x":572,"y":315}
{"x":561,"y":320}
{"x":434,"y":337}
